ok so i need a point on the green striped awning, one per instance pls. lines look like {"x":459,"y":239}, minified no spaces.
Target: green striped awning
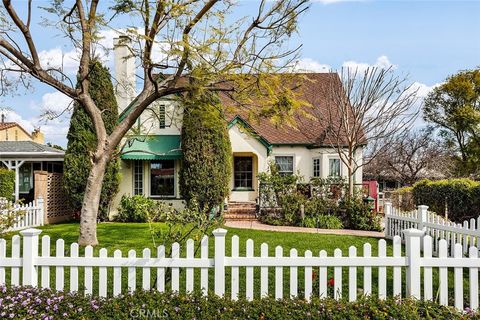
{"x":152,"y":147}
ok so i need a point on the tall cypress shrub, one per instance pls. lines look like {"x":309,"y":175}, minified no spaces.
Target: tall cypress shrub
{"x":7,"y":183}
{"x":207,"y":165}
{"x":82,"y":141}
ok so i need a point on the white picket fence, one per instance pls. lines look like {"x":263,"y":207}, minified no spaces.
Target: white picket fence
{"x":31,"y":214}
{"x":32,"y":268}
{"x":466,"y":233}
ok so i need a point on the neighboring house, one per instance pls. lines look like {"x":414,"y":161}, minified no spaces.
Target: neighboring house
{"x":150,"y":163}
{"x":25,"y":153}
{"x":12,"y":131}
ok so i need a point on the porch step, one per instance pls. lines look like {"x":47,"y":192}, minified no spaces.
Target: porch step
{"x":244,"y":211}
{"x":239,"y":217}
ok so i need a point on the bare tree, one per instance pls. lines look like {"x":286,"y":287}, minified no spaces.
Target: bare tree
{"x":372,"y":107}
{"x":412,"y":156}
{"x":196,"y":48}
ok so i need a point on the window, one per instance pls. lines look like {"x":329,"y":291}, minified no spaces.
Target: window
{"x":162,"y":178}
{"x":316,"y":167}
{"x":161,"y":117}
{"x":284,"y":164}
{"x":243,"y":172}
{"x":138,"y":177}
{"x":334,"y":167}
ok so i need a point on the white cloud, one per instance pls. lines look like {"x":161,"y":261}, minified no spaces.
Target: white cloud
{"x":381,"y":62}
{"x":422,"y":89}
{"x":56,"y":58}
{"x":310,"y":65}
{"x":55,"y":101}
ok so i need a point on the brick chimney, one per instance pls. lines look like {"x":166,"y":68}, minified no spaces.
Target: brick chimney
{"x":124,"y":71}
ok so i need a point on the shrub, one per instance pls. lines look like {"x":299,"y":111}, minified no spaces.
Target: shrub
{"x":357,"y":215}
{"x":207,"y":153}
{"x":36,"y":303}
{"x":291,"y":204}
{"x":322,"y":221}
{"x":7,"y":183}
{"x":402,"y":198}
{"x":461,"y":197}
{"x":141,"y":209}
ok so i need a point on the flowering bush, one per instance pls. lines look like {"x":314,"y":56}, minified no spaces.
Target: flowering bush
{"x":33,"y":303}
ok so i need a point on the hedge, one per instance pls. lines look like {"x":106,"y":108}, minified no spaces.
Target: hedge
{"x":7,"y":183}
{"x":34,"y":303}
{"x":460,"y":196}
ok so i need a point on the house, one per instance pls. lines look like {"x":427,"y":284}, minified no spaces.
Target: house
{"x":150,"y":163}
{"x":26,"y":153}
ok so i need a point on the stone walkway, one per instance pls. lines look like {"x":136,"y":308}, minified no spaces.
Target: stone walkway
{"x":255,"y":225}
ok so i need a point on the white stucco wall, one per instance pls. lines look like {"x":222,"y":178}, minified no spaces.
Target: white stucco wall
{"x":173,"y":118}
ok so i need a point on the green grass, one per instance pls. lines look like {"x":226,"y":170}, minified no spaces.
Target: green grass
{"x":136,"y":236}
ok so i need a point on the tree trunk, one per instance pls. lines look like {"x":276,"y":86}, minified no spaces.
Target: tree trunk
{"x":91,"y":201}
{"x":350,"y":182}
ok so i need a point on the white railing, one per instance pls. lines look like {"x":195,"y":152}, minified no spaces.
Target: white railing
{"x":30,"y":215}
{"x":106,"y":271}
{"x":466,"y":233}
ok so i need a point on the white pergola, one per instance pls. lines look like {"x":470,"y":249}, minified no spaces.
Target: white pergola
{"x":14,"y":161}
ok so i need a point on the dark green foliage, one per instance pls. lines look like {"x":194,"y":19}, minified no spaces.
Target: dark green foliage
{"x":454,"y":108}
{"x":322,"y":221}
{"x":18,"y":304}
{"x":357,"y":215}
{"x":325,"y":206}
{"x":82,"y":142}
{"x":207,"y":153}
{"x":7,"y":183}
{"x":460,"y":196}
{"x":139,"y":208}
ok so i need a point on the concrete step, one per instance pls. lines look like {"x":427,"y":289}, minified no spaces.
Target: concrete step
{"x":241,"y":210}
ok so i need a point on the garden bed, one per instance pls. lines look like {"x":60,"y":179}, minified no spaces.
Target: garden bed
{"x":33,"y":303}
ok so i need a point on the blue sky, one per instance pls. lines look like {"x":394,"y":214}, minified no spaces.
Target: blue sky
{"x":428,"y":40}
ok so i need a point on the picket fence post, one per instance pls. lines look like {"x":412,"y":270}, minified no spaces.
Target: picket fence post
{"x":41,"y":204}
{"x":413,"y":238}
{"x":387,"y":210}
{"x":422,"y":217}
{"x":219,"y":261}
{"x":30,"y":254}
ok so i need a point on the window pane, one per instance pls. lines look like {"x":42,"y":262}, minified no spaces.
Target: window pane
{"x":162,"y":178}
{"x":316,"y":167}
{"x":334,"y":165}
{"x":161,"y":117}
{"x":243,"y":172}
{"x":285,"y":164}
{"x":138,"y":177}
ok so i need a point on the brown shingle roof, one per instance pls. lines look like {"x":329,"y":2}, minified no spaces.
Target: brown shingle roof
{"x":310,"y":125}
{"x":7,"y":125}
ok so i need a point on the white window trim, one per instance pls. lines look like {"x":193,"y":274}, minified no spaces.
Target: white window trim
{"x":341,"y":165}
{"x":175,"y":181}
{"x":313,"y":166}
{"x":294,"y":166}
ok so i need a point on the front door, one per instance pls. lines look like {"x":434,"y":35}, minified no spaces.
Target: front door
{"x":243,"y":173}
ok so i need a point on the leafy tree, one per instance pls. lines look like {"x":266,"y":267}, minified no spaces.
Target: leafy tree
{"x":82,"y":141}
{"x":454,"y":109}
{"x":207,"y":163}
{"x":170,"y":40}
